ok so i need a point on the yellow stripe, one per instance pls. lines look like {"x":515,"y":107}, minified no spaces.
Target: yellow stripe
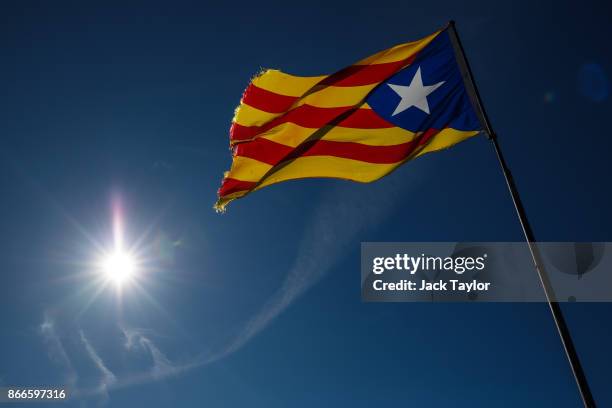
{"x":246,"y":115}
{"x":399,"y":52}
{"x":278,"y":82}
{"x":247,"y":169}
{"x":329,"y":167}
{"x":338,"y":96}
{"x":222,"y":202}
{"x":445,"y":139}
{"x":292,"y":135}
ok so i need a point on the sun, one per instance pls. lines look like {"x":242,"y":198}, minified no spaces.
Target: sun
{"x":119,"y":267}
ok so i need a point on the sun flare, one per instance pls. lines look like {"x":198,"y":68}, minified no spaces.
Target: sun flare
{"x":119,"y":267}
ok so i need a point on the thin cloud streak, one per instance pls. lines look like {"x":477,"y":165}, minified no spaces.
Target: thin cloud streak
{"x":343,"y":213}
{"x":108,"y":378}
{"x":162,"y":366}
{"x":56,"y":350}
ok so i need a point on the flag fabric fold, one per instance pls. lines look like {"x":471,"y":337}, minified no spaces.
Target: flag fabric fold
{"x":359,"y":123}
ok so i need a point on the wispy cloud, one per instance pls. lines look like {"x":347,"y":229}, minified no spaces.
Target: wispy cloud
{"x":161,"y":365}
{"x":56,"y":350}
{"x":107,"y":378}
{"x":134,"y":339}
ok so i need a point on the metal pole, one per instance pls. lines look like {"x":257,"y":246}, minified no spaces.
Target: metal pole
{"x":555,"y":308}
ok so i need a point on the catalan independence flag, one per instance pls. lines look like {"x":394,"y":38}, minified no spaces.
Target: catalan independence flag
{"x":359,"y":123}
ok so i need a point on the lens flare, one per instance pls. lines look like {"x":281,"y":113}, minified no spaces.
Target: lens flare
{"x":119,"y":267}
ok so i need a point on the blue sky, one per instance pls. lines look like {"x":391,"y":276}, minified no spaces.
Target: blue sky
{"x":261,"y":306}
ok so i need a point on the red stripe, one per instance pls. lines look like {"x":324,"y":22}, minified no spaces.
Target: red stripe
{"x":273,"y":153}
{"x":365,"y":119}
{"x":230,"y":185}
{"x":313,"y":117}
{"x":263,"y":150}
{"x":357,"y":75}
{"x":267,"y":101}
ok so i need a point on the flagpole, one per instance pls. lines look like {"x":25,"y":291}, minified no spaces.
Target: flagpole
{"x":555,"y":308}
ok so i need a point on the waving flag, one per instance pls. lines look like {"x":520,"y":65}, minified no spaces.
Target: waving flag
{"x":359,"y":123}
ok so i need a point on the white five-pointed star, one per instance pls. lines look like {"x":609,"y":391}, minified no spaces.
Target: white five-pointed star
{"x":414,"y":94}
